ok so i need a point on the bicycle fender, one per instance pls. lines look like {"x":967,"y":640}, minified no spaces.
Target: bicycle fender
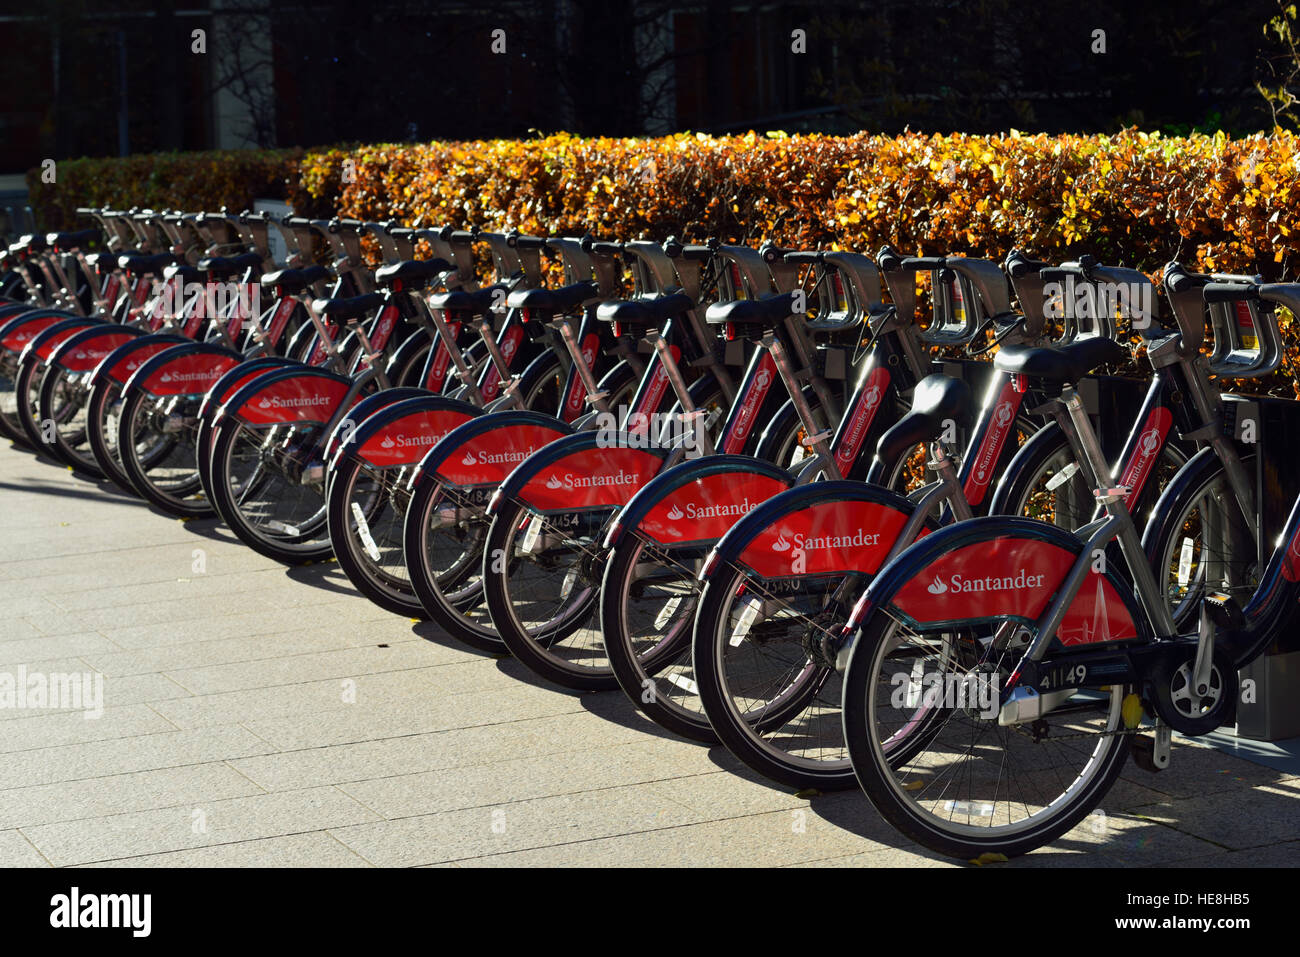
{"x":580,"y":471}
{"x":401,"y":432}
{"x":486,"y":449}
{"x":51,"y":337}
{"x":699,"y":500}
{"x":236,"y":377}
{"x":189,"y":369}
{"x":363,"y":409}
{"x":20,"y":330}
{"x":1001,"y":565}
{"x":120,"y":364}
{"x":825,"y":528}
{"x":287,"y":396}
{"x":83,"y":351}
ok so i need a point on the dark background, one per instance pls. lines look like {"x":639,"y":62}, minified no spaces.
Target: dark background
{"x":101,"y":78}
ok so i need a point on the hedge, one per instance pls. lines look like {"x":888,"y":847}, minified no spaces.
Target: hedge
{"x":1134,"y":198}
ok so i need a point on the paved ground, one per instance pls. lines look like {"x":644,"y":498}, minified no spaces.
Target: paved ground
{"x":255,"y":715}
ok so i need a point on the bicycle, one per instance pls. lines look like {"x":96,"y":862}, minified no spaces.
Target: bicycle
{"x":1072,"y":653}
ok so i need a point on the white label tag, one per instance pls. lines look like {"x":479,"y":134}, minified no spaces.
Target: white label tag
{"x":1185,"y":563}
{"x":745,"y":621}
{"x":683,"y":682}
{"x":969,"y":808}
{"x":531,"y":536}
{"x":1063,"y":476}
{"x":666,"y":613}
{"x":363,"y":532}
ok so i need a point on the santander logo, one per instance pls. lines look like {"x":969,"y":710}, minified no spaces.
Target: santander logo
{"x":763,"y":378}
{"x":675,"y":513}
{"x":469,"y":459}
{"x":991,"y":447}
{"x":400,"y":441}
{"x":571,"y":482}
{"x":781,"y":545}
{"x":1150,"y":440}
{"x":508,"y":347}
{"x":959,"y":584}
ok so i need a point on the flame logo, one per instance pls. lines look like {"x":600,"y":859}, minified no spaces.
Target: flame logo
{"x":166,"y":377}
{"x":265,"y":403}
{"x":388,"y":442}
{"x":762,"y":379}
{"x":781,"y":545}
{"x":937,"y":587}
{"x":872,"y":397}
{"x":675,"y":513}
{"x":79,"y":354}
{"x":468,"y":459}
{"x":554,"y":482}
{"x":508,"y":348}
{"x":1149,"y":442}
{"x":1003,"y":415}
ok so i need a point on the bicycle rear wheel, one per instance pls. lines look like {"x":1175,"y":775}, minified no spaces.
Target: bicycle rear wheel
{"x":442,"y":544}
{"x":270,"y":489}
{"x":942,"y":769}
{"x":367,"y":509}
{"x":156,"y":446}
{"x":542,"y":596}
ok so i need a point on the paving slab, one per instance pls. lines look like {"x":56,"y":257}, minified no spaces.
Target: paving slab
{"x":263,"y":716}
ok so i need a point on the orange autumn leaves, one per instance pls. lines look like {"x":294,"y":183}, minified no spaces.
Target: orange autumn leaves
{"x":1131,"y":198}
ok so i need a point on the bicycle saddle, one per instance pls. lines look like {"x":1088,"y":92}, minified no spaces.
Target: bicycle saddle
{"x":69,"y":240}
{"x":937,"y":400}
{"x":1067,"y":363}
{"x":294,"y":280}
{"x":645,"y":312}
{"x":479,"y":302}
{"x":563,"y":299}
{"x":229,"y":265}
{"x":770,"y":311}
{"x":411,"y":271}
{"x":341,"y":309}
{"x":139,"y":265}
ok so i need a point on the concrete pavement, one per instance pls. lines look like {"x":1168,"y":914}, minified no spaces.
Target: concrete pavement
{"x":254,"y":715}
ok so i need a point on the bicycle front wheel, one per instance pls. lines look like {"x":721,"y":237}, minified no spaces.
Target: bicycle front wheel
{"x":921,"y":725}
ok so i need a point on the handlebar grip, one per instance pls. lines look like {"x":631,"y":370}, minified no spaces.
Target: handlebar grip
{"x":697,"y":253}
{"x":1057,"y":273}
{"x":1230,"y":292}
{"x":607,"y":249}
{"x":918,"y":263}
{"x":804,"y":256}
{"x":529,"y":242}
{"x":1018,"y":264}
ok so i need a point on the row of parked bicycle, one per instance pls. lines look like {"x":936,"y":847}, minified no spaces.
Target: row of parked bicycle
{"x":727,"y":480}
